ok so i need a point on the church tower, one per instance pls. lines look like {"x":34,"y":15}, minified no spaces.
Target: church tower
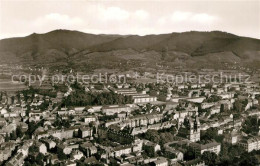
{"x":190,"y":129}
{"x":194,"y":132}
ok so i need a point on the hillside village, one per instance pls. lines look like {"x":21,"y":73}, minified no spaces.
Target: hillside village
{"x":159,"y":124}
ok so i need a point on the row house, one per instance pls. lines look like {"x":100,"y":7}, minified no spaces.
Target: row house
{"x":139,"y":130}
{"x":50,"y":144}
{"x":3,"y":111}
{"x":194,"y":86}
{"x":11,"y":115}
{"x":253,"y":113}
{"x":180,"y":115}
{"x":250,"y":144}
{"x":76,"y":155}
{"x":90,"y":118}
{"x":134,"y":160}
{"x":215,"y":109}
{"x":249,"y":104}
{"x":67,"y":148}
{"x":8,"y":129}
{"x":220,"y":90}
{"x":122,"y":150}
{"x":85,"y":132}
{"x":125,"y":91}
{"x":17,"y":160}
{"x":161,"y":161}
{"x":228,"y":104}
{"x":42,"y":147}
{"x":226,"y":119}
{"x":207,"y":105}
{"x":201,"y":148}
{"x":158,"y":126}
{"x":111,"y":122}
{"x":6,"y":149}
{"x":66,"y":112}
{"x":194,"y":162}
{"x":4,"y":154}
{"x":196,"y":99}
{"x":226,"y":95}
{"x":144,"y":99}
{"x":63,"y":134}
{"x":88,"y":149}
{"x":144,"y":120}
{"x":231,"y":138}
{"x":215,"y":124}
{"x":154,"y":146}
{"x":24,"y":149}
{"x":2,"y":139}
{"x":60,"y":134}
{"x":171,"y":150}
{"x":35,"y":115}
{"x":204,"y":126}
{"x":137,"y":145}
{"x":113,"y":109}
{"x":182,"y":87}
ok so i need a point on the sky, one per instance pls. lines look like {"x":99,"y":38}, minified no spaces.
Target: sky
{"x":23,"y":17}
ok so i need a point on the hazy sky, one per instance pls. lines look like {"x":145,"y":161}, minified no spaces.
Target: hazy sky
{"x":21,"y":18}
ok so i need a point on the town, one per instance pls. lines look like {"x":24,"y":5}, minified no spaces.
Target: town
{"x":147,"y":123}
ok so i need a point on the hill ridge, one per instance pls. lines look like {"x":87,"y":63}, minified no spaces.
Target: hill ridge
{"x":181,"y":47}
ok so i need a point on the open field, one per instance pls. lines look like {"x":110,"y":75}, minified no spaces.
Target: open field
{"x":8,"y":85}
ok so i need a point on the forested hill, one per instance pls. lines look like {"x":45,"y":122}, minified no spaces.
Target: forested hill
{"x":105,"y":51}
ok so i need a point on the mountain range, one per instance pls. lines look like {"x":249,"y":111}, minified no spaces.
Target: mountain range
{"x":89,"y":51}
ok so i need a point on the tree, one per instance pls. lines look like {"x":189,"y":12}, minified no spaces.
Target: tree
{"x":210,"y":158}
{"x":27,"y":111}
{"x":213,"y":98}
{"x":32,"y":126}
{"x":164,"y":53}
{"x":19,"y":132}
{"x":152,"y":135}
{"x":250,"y":125}
{"x":113,"y":162}
{"x":189,"y":154}
{"x":7,"y":138}
{"x":222,"y":108}
{"x":61,"y":155}
{"x":238,"y":106}
{"x":39,"y":159}
{"x":33,"y":149}
{"x":82,"y":98}
{"x":166,"y":137}
{"x":149,"y":150}
{"x":248,"y":160}
{"x":13,"y":135}
{"x":210,"y":134}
